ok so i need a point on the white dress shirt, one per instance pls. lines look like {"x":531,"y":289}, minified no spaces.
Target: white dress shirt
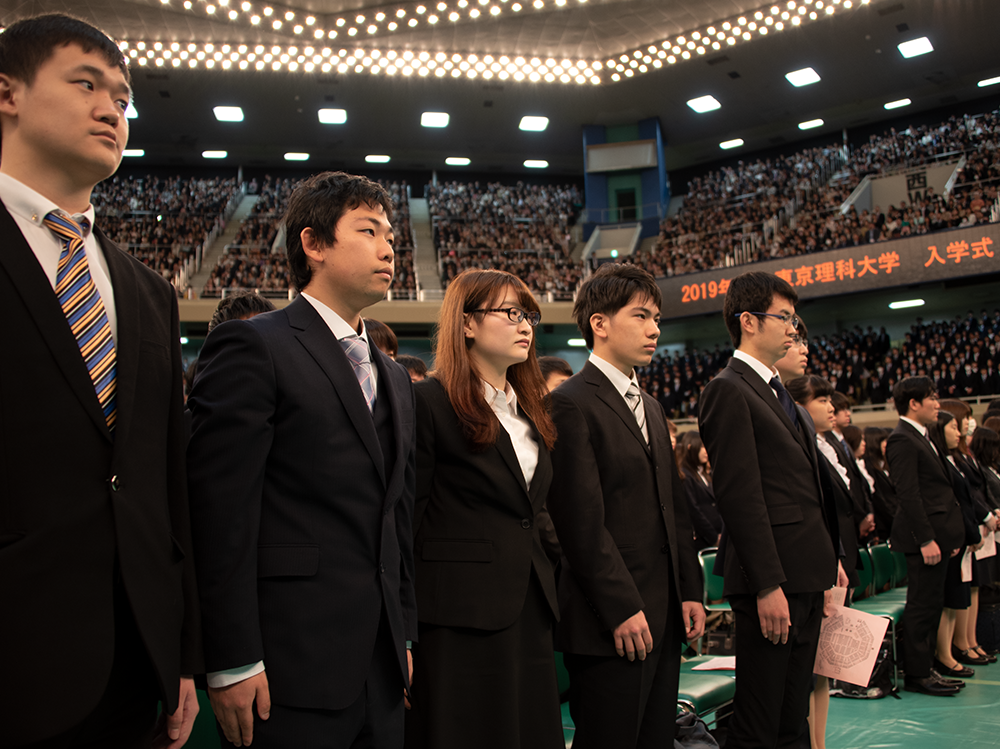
{"x":831,"y":455}
{"x":29,"y":209}
{"x":341,"y":329}
{"x":621,"y":382}
{"x":518,"y":428}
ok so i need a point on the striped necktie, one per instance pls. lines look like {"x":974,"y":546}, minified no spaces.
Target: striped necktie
{"x":634,"y":399}
{"x":84,"y":309}
{"x":357,"y":351}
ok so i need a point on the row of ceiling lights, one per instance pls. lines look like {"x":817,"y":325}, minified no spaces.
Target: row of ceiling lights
{"x":370,"y":158}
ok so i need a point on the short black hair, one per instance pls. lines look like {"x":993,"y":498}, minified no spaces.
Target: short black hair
{"x":911,"y":388}
{"x":553,"y":364}
{"x":413,"y":364}
{"x":239,"y":305}
{"x":26,"y":44}
{"x":753,"y":291}
{"x":318,"y":203}
{"x":382,"y":336}
{"x":808,"y":387}
{"x":609,"y":289}
{"x":840,"y":402}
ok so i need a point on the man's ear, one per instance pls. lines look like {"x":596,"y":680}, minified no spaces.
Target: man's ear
{"x":746,"y":323}
{"x":9,"y":88}
{"x":599,"y":325}
{"x":311,"y":245}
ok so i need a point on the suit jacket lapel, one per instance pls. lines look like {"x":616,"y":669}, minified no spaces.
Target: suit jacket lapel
{"x":542,"y":477}
{"x":764,"y":391}
{"x":317,"y":338}
{"x":614,"y":400}
{"x":926,"y":446}
{"x":383,"y":363}
{"x":40,"y":300}
{"x":506,"y":449}
{"x":127,"y":311}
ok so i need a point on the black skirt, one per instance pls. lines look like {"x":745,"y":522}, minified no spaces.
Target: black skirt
{"x":958,"y":595}
{"x":487,"y":689}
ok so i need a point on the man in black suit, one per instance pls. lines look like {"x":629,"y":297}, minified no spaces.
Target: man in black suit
{"x":100,"y":607}
{"x":778,"y":548}
{"x":927,"y":528}
{"x":629,"y":579}
{"x":301,"y":480}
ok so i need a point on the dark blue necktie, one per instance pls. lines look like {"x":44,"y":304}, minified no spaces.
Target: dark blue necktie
{"x":785,"y":400}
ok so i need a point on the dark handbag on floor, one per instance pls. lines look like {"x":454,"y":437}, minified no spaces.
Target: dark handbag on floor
{"x":692,"y":733}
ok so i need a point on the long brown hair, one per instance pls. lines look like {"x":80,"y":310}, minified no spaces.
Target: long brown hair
{"x":472,"y":290}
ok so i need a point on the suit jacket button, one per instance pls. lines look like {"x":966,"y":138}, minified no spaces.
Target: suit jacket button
{"x":663,"y":507}
{"x":381,"y":568}
{"x":664,"y":549}
{"x":526,"y":524}
{"x":115,"y":483}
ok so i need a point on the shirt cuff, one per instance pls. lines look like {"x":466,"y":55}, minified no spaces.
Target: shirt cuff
{"x":220,"y":679}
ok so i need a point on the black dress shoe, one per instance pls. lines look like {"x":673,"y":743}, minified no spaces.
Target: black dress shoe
{"x":949,"y":682}
{"x":929,"y":685}
{"x":960,"y":671}
{"x":983,"y":654}
{"x":968,"y":657}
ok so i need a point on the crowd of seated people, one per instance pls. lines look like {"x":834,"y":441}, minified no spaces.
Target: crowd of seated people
{"x":255,"y":258}
{"x":521,"y":228}
{"x":960,"y":355}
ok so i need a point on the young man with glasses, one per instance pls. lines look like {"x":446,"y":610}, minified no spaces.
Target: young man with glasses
{"x":630,"y":588}
{"x":779,"y":552}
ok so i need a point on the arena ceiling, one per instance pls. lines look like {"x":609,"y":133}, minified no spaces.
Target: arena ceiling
{"x":853,"y":50}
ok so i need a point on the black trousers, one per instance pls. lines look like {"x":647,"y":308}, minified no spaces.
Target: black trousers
{"x":922,"y":615}
{"x":373,"y":721}
{"x":772,"y":681}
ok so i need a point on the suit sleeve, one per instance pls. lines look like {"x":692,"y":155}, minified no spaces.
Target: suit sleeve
{"x":904,"y":464}
{"x":404,"y":530}
{"x":233,"y":407}
{"x":726,"y":427}
{"x":576,"y":504}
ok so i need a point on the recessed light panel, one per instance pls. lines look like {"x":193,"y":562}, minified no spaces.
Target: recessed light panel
{"x":897,"y":104}
{"x":704,"y":104}
{"x":989,"y":82}
{"x":906,"y":303}
{"x":292,"y":156}
{"x":803,"y":77}
{"x":131,"y":113}
{"x":332,"y":116}
{"x":133,"y":152}
{"x":457,"y":161}
{"x":915,"y":47}
{"x":536,"y":164}
{"x":377,"y":159}
{"x":810,"y":124}
{"x":534,"y":124}
{"x":576,"y":342}
{"x":727,"y":144}
{"x":214,"y":154}
{"x":228,"y":114}
{"x":434,"y":119}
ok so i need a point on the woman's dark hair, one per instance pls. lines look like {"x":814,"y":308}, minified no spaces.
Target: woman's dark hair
{"x":960,"y":410}
{"x":873,"y":457}
{"x":689,"y":446}
{"x":609,"y":289}
{"x":808,"y":387}
{"x":986,"y":447}
{"x":936,"y":432}
{"x":853,"y":436}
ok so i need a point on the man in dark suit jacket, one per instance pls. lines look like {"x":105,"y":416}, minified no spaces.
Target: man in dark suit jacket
{"x":630,"y":582}
{"x":301,"y":480}
{"x":927,"y":528}
{"x":100,"y":607}
{"x":778,"y":549}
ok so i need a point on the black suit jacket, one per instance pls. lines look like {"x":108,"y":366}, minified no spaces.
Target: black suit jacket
{"x":928,"y":509}
{"x":301,"y":521}
{"x":476,"y":524}
{"x":705,"y":517}
{"x":765,"y":474}
{"x":73,"y":499}
{"x":621,"y":517}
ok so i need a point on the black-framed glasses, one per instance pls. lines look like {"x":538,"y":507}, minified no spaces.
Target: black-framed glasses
{"x":786,"y":319}
{"x":516,"y":314}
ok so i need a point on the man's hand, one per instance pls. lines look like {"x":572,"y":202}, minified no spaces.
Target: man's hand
{"x":991,"y":522}
{"x":632,"y":637}
{"x":409,"y":669}
{"x":694,"y":619}
{"x":931,"y":553}
{"x":867,"y":525}
{"x":842,"y":580}
{"x":772,"y":608}
{"x":233,"y":707}
{"x":173,"y":730}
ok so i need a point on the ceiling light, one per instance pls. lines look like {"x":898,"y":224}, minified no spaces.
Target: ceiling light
{"x":228,"y":114}
{"x":434,"y":119}
{"x":536,"y":164}
{"x":727,"y":144}
{"x":534,"y":124}
{"x":915,"y":47}
{"x":576,"y":342}
{"x":292,"y":156}
{"x":810,"y":124}
{"x":989,"y":82}
{"x":802,"y":77}
{"x":131,"y":113}
{"x":332,"y":116}
{"x":906,"y":303}
{"x":376,"y":159}
{"x":704,"y":104}
{"x":214,"y":154}
{"x":897,"y":104}
{"x":133,"y":152}
{"x":457,"y":161}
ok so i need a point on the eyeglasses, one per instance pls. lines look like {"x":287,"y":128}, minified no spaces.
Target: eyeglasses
{"x":516,"y":314}
{"x":792,"y":320}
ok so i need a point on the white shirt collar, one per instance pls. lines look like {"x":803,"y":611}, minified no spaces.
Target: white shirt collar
{"x":766,"y":374}
{"x":619,"y":379}
{"x":337,"y":324}
{"x":508,"y":401}
{"x":915,"y":424}
{"x":31,"y":205}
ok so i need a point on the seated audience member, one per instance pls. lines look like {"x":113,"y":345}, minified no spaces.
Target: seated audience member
{"x":692,"y":464}
{"x":555,"y":371}
{"x":414,"y":365}
{"x":383,"y":337}
{"x":239,"y":305}
{"x":884,"y":501}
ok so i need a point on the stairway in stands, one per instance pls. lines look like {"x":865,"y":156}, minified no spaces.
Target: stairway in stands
{"x":424,"y":256}
{"x":213,"y":252}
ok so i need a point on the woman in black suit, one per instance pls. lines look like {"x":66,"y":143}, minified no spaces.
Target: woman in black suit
{"x":884,"y":500}
{"x":692,"y":465}
{"x":484,"y":669}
